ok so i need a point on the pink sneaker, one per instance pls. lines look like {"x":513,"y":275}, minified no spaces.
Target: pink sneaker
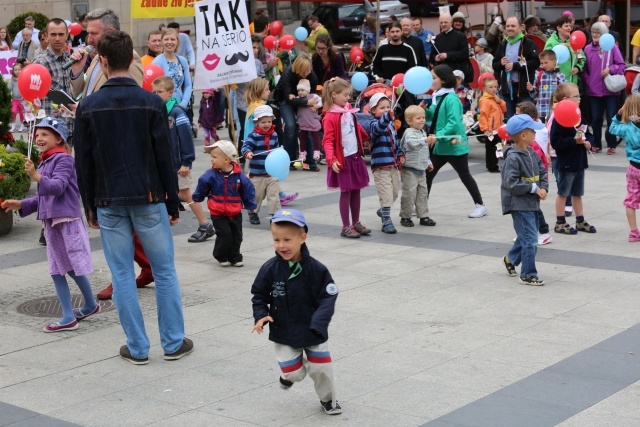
{"x":288,"y":198}
{"x":634,"y":236}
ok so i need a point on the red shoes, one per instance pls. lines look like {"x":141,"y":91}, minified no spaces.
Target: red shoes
{"x":141,"y":281}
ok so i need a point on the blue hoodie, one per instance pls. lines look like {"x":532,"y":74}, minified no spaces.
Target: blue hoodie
{"x":630,"y":132}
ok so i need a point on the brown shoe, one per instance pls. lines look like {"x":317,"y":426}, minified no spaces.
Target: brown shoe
{"x":106,"y":293}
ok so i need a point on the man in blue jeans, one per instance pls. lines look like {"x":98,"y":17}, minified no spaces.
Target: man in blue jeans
{"x":127,"y":183}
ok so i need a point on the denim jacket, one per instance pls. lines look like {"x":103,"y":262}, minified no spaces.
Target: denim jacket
{"x":123,"y":151}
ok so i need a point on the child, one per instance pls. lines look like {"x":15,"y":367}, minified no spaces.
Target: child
{"x":256,"y":147}
{"x":210,"y":115}
{"x":228,"y":191}
{"x":183,"y":154}
{"x":524,"y":184}
{"x":386,"y":157}
{"x":309,"y":124}
{"x":626,"y":125}
{"x":343,"y":145}
{"x":484,"y":58}
{"x":571,"y":161}
{"x":417,"y":162}
{"x":17,"y":108}
{"x":57,"y":202}
{"x":546,"y":82}
{"x":463,"y":91}
{"x":296,"y":294}
{"x":492,"y":110}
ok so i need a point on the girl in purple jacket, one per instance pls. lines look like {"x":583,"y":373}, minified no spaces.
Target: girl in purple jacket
{"x":57,"y":202}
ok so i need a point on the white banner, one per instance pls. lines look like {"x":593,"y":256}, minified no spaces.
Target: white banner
{"x":224,"y":51}
{"x":7,"y":59}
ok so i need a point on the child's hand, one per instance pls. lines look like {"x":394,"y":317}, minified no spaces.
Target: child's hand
{"x":183,"y":171}
{"x":529,"y":87}
{"x":431,"y":140}
{"x":430,"y":167}
{"x":260,"y":323}
{"x":249,"y":155}
{"x":336,"y":166}
{"x":402,"y":160}
{"x":542,"y":193}
{"x":11,"y":205}
{"x":30,"y":168}
{"x":391,"y":115}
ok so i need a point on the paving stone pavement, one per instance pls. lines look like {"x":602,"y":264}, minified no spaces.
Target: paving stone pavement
{"x":429,"y":329}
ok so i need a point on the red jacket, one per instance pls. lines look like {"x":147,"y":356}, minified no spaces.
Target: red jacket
{"x":332,"y":141}
{"x":226,"y":195}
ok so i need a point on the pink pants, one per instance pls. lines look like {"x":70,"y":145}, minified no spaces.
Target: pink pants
{"x":17,"y":108}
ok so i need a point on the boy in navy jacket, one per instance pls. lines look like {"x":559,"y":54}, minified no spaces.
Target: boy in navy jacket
{"x":295,"y":293}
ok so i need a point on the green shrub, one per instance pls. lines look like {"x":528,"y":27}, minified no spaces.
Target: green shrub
{"x":14,"y":180}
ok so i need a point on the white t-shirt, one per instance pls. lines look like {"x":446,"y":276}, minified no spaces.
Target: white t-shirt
{"x":542,"y":138}
{"x":349,"y":140}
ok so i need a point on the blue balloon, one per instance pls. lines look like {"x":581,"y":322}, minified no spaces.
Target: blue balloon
{"x":418,"y":80}
{"x":66,"y":21}
{"x":360,"y":81}
{"x":562,"y":53}
{"x":301,"y":34}
{"x":277,"y":164}
{"x":607,"y":42}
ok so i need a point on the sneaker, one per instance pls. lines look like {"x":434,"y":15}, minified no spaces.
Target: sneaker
{"x":389,"y":228}
{"x":330,"y":409}
{"x":323,"y":161}
{"x":126,"y":355}
{"x":185,"y":348}
{"x":225,"y":263}
{"x":634,"y":236}
{"x":611,"y":151}
{"x":544,"y":239}
{"x":303,"y":156}
{"x":511,"y":269}
{"x":60,"y":327}
{"x":203,"y":233}
{"x":406,"y":222}
{"x":349,"y":232}
{"x":12,"y":128}
{"x":288,"y":198}
{"x":316,"y":155}
{"x":42,"y":239}
{"x":285,"y":384}
{"x":21,"y":128}
{"x":479,"y":211}
{"x":568,"y":210}
{"x":80,"y":315}
{"x":427,"y":221}
{"x":238,"y":264}
{"x":253,"y":218}
{"x":361,"y":229}
{"x":531,"y":281}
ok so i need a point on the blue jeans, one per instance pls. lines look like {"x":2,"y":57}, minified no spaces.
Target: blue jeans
{"x":151,"y":222}
{"x":511,"y":103}
{"x":525,"y":247}
{"x":601,"y":105}
{"x":290,"y":123}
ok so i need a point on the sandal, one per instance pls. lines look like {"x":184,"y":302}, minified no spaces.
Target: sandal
{"x":565,"y":228}
{"x":585,"y":226}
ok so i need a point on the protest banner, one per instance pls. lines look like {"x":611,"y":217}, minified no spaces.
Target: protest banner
{"x":161,"y":8}
{"x":7,"y":59}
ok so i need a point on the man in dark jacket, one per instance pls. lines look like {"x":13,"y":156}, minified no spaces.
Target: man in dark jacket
{"x":128,"y":183}
{"x":514,"y":64}
{"x":452,"y":48}
{"x":413,"y":41}
{"x":394,"y":57}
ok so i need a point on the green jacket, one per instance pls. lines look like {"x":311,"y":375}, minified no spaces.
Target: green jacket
{"x":576,"y":59}
{"x":449,"y":123}
{"x":311,"y":40}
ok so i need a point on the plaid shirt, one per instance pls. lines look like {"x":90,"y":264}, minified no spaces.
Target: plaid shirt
{"x":546,"y":82}
{"x":60,"y":80}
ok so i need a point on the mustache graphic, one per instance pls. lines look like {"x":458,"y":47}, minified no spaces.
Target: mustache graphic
{"x":237,"y":57}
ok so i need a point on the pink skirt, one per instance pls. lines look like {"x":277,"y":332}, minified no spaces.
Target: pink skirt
{"x":353,"y":176}
{"x":68,"y":248}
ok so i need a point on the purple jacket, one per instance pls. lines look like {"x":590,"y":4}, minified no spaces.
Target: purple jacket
{"x":308,"y":119}
{"x":57,"y":194}
{"x":594,"y":65}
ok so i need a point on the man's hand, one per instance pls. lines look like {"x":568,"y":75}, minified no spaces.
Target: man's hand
{"x":260,"y":324}
{"x":574,"y":71}
{"x":183,"y":171}
{"x":78,"y":56}
{"x":529,"y":87}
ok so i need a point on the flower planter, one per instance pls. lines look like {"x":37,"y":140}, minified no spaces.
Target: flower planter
{"x":6,"y":222}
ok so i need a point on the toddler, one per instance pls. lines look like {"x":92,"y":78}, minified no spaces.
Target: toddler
{"x":210,"y":115}
{"x":309,"y":124}
{"x":17,"y":107}
{"x":492,"y":110}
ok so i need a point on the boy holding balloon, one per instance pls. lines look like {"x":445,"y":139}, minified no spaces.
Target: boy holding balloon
{"x":546,"y":82}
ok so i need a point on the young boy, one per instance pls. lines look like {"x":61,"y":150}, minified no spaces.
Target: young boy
{"x":228,"y":191}
{"x":256,"y":147}
{"x":546,"y":82}
{"x":386,"y":156}
{"x":571,"y":148}
{"x":524,"y":184}
{"x":413,"y":175}
{"x":297,"y":296}
{"x":492,"y":110}
{"x":463,"y":91}
{"x":484,"y":58}
{"x":183,"y":154}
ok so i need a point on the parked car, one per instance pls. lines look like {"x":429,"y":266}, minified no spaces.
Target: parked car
{"x":342,"y":20}
{"x":387,"y":8}
{"x":426,"y":8}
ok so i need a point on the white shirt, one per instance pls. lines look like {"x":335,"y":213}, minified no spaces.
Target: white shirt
{"x":349,"y":140}
{"x":18,"y":39}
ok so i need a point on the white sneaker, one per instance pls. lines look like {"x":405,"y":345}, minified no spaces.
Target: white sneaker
{"x":21,"y":128}
{"x":479,"y":211}
{"x":13,"y":126}
{"x":544,"y":239}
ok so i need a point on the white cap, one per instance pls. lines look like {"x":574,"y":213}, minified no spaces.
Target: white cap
{"x":375,"y":99}
{"x":227,"y":148}
{"x":458,"y":73}
{"x":304,"y":84}
{"x":262,"y":111}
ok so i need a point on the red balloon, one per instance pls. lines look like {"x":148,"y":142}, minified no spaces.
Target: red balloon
{"x":34,"y":82}
{"x":75,"y":29}
{"x":397,"y":80}
{"x":275,"y":28}
{"x":287,"y":42}
{"x":577,"y":40}
{"x":150,"y":73}
{"x":567,"y":113}
{"x":484,"y":76}
{"x":502,"y":132}
{"x":269,"y":42}
{"x":356,"y":55}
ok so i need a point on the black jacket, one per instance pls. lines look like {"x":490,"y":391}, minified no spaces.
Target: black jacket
{"x":287,"y":85}
{"x":301,"y":307}
{"x":392,"y":59}
{"x":455,"y":45}
{"x":571,"y":157}
{"x":418,"y":47}
{"x":529,"y":51}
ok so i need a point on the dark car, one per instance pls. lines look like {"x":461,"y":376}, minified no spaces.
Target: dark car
{"x":342,"y":20}
{"x":426,"y":8}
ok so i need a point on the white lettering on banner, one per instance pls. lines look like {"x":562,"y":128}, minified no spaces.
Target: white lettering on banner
{"x":7,"y":59}
{"x":224,"y":54}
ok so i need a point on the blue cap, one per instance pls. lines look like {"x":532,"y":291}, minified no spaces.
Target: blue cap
{"x":520,"y":122}
{"x":57,"y":125}
{"x":290,"y":215}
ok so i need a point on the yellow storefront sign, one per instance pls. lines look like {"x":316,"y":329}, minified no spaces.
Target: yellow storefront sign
{"x":161,"y":8}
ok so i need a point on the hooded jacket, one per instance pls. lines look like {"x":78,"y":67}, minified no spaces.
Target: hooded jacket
{"x":522,"y":174}
{"x":226,"y":195}
{"x":492,"y":110}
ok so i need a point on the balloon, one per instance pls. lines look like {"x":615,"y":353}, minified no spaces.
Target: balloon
{"x":502,"y":132}
{"x":275,"y":28}
{"x":397,"y":80}
{"x":418,"y":80}
{"x":150,"y":73}
{"x":301,"y":34}
{"x":577,"y":40}
{"x":66,"y":21}
{"x":34,"y":82}
{"x":567,"y":113}
{"x":75,"y":29}
{"x":360,"y":81}
{"x":269,"y":42}
{"x":277,"y":164}
{"x":356,"y":55}
{"x":287,"y":42}
{"x":484,"y":76}
{"x":562,"y":53}
{"x":607,"y":42}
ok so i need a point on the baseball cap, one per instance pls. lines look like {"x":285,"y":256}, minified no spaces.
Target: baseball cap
{"x":227,"y":148}
{"x":290,"y":215}
{"x":375,"y":99}
{"x":262,"y":111}
{"x":520,"y":122}
{"x":458,"y":73}
{"x":56,"y":125}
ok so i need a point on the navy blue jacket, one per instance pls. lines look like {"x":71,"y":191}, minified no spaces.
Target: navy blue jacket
{"x":301,"y":307}
{"x":226,"y":195}
{"x":182,"y":148}
{"x":571,"y":157}
{"x":385,"y":151}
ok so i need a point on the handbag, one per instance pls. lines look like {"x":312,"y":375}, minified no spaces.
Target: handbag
{"x":614,"y":82}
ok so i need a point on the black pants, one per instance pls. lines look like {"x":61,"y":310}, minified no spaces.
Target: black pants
{"x":490,"y":154}
{"x":461,"y":165}
{"x":228,"y":238}
{"x":242,"y":116}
